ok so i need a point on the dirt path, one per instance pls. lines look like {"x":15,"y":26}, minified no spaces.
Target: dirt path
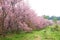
{"x":37,"y":37}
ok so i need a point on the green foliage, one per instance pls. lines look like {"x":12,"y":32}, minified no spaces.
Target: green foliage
{"x":47,"y":17}
{"x":55,"y":19}
{"x":45,"y":34}
{"x":52,"y":17}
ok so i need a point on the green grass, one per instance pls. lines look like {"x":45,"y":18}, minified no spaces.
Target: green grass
{"x":44,"y":34}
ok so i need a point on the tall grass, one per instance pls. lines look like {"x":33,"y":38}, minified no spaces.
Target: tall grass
{"x":49,"y":33}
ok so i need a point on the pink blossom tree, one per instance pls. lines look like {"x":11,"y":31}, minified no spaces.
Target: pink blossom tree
{"x":17,"y":15}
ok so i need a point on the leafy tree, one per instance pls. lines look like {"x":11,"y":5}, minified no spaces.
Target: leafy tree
{"x":55,"y":19}
{"x":47,"y":17}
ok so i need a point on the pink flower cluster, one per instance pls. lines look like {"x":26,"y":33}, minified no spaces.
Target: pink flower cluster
{"x":18,"y":16}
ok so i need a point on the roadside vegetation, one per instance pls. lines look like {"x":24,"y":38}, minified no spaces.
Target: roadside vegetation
{"x":49,"y":33}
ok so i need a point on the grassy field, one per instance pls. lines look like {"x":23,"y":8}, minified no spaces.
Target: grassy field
{"x":49,"y":33}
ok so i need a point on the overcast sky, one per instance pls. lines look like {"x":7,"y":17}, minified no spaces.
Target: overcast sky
{"x":46,"y":7}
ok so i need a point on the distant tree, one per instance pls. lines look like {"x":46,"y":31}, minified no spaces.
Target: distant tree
{"x":55,"y":19}
{"x":46,"y":17}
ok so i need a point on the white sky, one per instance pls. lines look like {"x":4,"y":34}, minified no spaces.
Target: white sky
{"x":46,"y":7}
